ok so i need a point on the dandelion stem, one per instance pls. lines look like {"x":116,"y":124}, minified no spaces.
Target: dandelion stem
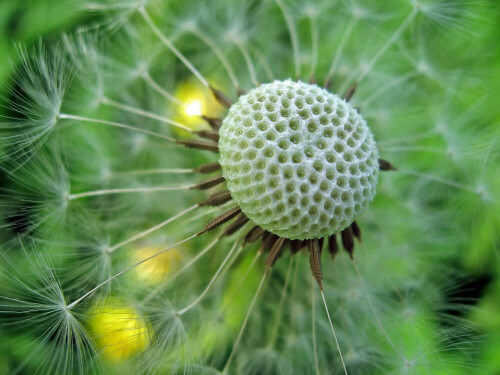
{"x":217,"y":52}
{"x":171,"y":47}
{"x":274,"y":335}
{"x":73,"y":304}
{"x":160,"y":90}
{"x":245,"y":321}
{"x":206,"y":213}
{"x":243,"y":278}
{"x":293,"y":37}
{"x":140,"y":172}
{"x":313,"y":312}
{"x":377,"y":319}
{"x":263,"y":63}
{"x":387,"y":87}
{"x":333,"y":331}
{"x":212,"y":281}
{"x":412,"y":149}
{"x":439,"y":179}
{"x":412,"y":138}
{"x":388,"y":43}
{"x":314,"y":45}
{"x":248,"y":61}
{"x":96,"y":193}
{"x":140,"y":112}
{"x":152,"y":229}
{"x":340,"y":47}
{"x":486,"y":156}
{"x":115,"y":124}
{"x":175,"y":275}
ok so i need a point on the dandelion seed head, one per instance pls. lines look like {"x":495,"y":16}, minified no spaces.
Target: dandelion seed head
{"x":43,"y":82}
{"x":299,"y":161}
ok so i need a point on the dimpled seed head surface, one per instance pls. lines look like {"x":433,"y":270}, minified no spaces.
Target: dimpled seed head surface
{"x":299,"y":161}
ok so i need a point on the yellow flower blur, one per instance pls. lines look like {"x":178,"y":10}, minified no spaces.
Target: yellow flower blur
{"x":157,"y":269}
{"x":118,"y":330}
{"x":198,"y":101}
{"x":193,"y":108}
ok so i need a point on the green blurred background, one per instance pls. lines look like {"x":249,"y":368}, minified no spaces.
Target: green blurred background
{"x":24,"y":22}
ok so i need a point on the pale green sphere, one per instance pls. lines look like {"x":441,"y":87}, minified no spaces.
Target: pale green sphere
{"x":299,"y":161}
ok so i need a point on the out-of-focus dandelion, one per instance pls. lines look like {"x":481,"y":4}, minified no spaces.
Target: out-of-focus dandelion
{"x":119,"y":330}
{"x":194,"y":103}
{"x":159,"y":268}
